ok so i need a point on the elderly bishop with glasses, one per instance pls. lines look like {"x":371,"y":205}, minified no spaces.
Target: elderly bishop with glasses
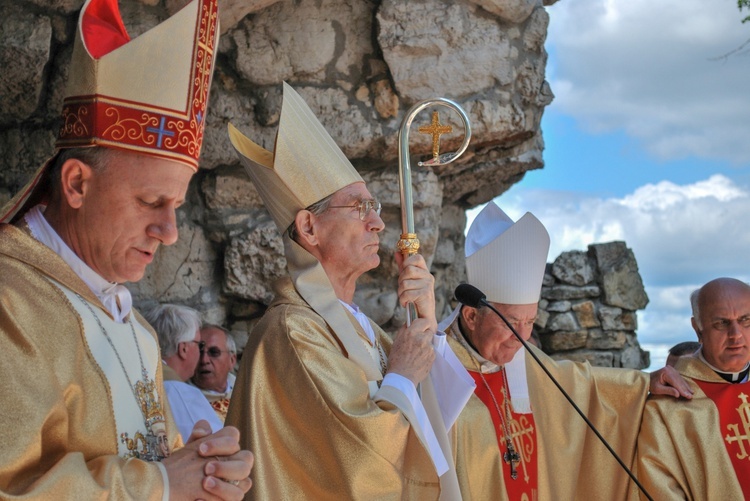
{"x":338,"y":409}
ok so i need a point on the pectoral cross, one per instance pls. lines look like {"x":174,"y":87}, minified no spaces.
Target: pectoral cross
{"x":436,"y":129}
{"x":512,"y":457}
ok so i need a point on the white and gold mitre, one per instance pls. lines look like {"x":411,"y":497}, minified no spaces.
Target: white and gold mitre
{"x":305,"y":167}
{"x":146,"y":95}
{"x":506,"y":260}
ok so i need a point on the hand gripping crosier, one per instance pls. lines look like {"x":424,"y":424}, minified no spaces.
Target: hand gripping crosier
{"x":409,"y":243}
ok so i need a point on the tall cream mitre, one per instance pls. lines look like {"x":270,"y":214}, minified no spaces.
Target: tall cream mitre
{"x":506,"y":260}
{"x":147,"y":95}
{"x":305,"y":167}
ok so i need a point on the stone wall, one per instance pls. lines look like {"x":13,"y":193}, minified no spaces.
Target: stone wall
{"x":588,"y":307}
{"x":360,"y":64}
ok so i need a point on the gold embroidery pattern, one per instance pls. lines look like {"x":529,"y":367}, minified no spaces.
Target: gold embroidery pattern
{"x":744,"y":411}
{"x":522,"y":433}
{"x":73,"y":125}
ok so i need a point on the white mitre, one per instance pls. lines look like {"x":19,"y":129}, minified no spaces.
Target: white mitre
{"x":506,"y":261}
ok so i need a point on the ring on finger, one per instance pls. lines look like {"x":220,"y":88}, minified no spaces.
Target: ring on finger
{"x":234,"y":482}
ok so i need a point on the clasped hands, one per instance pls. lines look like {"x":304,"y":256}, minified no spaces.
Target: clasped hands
{"x":210,"y":466}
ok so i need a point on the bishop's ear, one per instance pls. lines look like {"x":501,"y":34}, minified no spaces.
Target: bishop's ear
{"x":469,"y":316}
{"x":304,"y":221}
{"x":74,"y":178}
{"x":696,"y":329}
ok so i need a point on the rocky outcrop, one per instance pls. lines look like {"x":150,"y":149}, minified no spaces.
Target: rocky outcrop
{"x":360,"y":66}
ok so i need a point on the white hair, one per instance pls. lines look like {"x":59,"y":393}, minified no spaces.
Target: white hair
{"x":174,"y":324}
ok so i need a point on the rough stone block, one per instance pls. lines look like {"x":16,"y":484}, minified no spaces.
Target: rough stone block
{"x":24,"y":52}
{"x":619,"y":278}
{"x":568,"y":292}
{"x":586,"y":314}
{"x":562,"y":322}
{"x":512,"y":11}
{"x":564,"y":341}
{"x":605,"y":340}
{"x":573,"y":268}
{"x":542,"y":317}
{"x":253,"y":261}
{"x":558,"y":306}
{"x":615,"y":318}
{"x":441,"y":51}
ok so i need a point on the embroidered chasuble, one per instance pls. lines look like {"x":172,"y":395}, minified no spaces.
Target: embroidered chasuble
{"x":571,"y":463}
{"x":308,"y":414}
{"x":76,"y":427}
{"x":522,"y":432}
{"x":697,"y":449}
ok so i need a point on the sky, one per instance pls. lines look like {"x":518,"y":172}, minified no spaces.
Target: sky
{"x":647,"y":141}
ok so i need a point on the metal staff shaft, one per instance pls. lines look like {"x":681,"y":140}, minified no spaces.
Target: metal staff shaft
{"x":409,"y":243}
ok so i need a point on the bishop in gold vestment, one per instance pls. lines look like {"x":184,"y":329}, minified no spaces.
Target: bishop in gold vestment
{"x":518,"y":424}
{"x":58,"y":433}
{"x":84,"y":414}
{"x":328,"y":405}
{"x":571,"y":463}
{"x":685,"y":450}
{"x":700,"y":449}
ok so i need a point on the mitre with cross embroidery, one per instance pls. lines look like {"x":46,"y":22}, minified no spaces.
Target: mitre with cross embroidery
{"x":147,"y":95}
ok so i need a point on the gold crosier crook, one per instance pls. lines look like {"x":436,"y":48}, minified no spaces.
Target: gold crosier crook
{"x":409,"y":243}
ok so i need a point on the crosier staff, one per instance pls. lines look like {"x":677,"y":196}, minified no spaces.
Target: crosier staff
{"x":409,"y":243}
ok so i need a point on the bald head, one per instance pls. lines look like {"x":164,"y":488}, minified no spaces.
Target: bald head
{"x":721,"y":319}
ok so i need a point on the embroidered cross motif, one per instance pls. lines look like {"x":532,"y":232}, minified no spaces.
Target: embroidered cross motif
{"x":744,"y":411}
{"x":160,"y":132}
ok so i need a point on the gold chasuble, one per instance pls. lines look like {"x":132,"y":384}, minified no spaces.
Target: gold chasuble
{"x":306,"y":412}
{"x":697,"y":449}
{"x":63,"y":433}
{"x":559,"y":456}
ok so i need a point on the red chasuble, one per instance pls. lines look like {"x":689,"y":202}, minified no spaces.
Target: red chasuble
{"x":734,"y":423}
{"x":523,"y":433}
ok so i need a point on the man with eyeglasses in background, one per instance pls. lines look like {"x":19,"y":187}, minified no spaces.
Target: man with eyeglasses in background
{"x":213,"y":376}
{"x":178,"y":330}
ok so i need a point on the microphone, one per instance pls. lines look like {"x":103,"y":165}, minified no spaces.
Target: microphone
{"x":471,"y":296}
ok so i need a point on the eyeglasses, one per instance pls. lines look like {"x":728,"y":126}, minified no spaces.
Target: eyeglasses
{"x":201,"y":344}
{"x":365,"y":206}
{"x":213,"y":351}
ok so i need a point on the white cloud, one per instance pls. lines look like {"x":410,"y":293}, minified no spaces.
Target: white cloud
{"x":644,"y":67}
{"x":679,"y":233}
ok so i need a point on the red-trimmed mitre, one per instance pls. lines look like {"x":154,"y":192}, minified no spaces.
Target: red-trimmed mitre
{"x":146,"y":95}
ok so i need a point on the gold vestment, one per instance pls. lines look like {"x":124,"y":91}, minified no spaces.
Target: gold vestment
{"x":572,"y":463}
{"x":57,"y":427}
{"x":305,"y":411}
{"x":681,"y":451}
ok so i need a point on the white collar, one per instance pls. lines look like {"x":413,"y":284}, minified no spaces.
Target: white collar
{"x":108,"y":292}
{"x":735,"y":376}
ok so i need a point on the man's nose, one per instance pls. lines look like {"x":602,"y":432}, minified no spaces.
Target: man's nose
{"x":164,"y":227}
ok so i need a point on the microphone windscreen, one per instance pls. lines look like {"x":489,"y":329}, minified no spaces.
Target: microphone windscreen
{"x":469,"y":295}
